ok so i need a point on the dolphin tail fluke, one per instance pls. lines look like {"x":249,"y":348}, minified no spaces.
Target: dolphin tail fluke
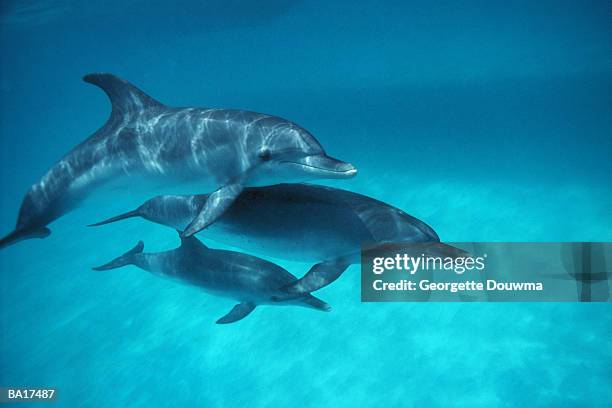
{"x":123,"y":260}
{"x":129,"y":214}
{"x":21,"y":234}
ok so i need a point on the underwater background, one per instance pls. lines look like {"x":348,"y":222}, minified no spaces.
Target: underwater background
{"x":490,"y":121}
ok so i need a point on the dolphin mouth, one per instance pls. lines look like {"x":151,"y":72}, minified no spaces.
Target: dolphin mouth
{"x":325,"y":166}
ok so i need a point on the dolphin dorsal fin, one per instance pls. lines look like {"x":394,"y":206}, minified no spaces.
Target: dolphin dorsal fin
{"x":125,"y":98}
{"x":191,"y":242}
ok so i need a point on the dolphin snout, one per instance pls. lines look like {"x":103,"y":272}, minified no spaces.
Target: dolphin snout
{"x":327,"y":167}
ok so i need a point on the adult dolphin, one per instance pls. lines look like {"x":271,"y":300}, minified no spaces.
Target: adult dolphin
{"x":250,"y":280}
{"x":300,"y":222}
{"x":152,"y":147}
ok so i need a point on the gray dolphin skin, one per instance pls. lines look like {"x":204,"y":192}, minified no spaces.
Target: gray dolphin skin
{"x":299,"y":222}
{"x":249,"y":280}
{"x":151,"y":148}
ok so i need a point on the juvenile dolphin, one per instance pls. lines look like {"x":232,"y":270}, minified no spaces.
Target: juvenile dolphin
{"x":248,"y":279}
{"x":153,"y":149}
{"x":299,"y":222}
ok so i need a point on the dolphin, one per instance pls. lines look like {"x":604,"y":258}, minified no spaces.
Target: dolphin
{"x":299,"y":222}
{"x":149,"y":148}
{"x":250,"y":280}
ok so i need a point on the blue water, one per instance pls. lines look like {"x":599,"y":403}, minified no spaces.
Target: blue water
{"x":490,"y":122}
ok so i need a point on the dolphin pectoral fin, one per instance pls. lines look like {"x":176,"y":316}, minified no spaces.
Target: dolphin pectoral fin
{"x":215,"y":206}
{"x":238,"y":312}
{"x":316,"y":303}
{"x":320,"y":275}
{"x":306,"y":299}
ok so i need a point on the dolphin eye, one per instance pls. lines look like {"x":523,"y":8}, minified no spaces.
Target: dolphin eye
{"x":265,"y":155}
